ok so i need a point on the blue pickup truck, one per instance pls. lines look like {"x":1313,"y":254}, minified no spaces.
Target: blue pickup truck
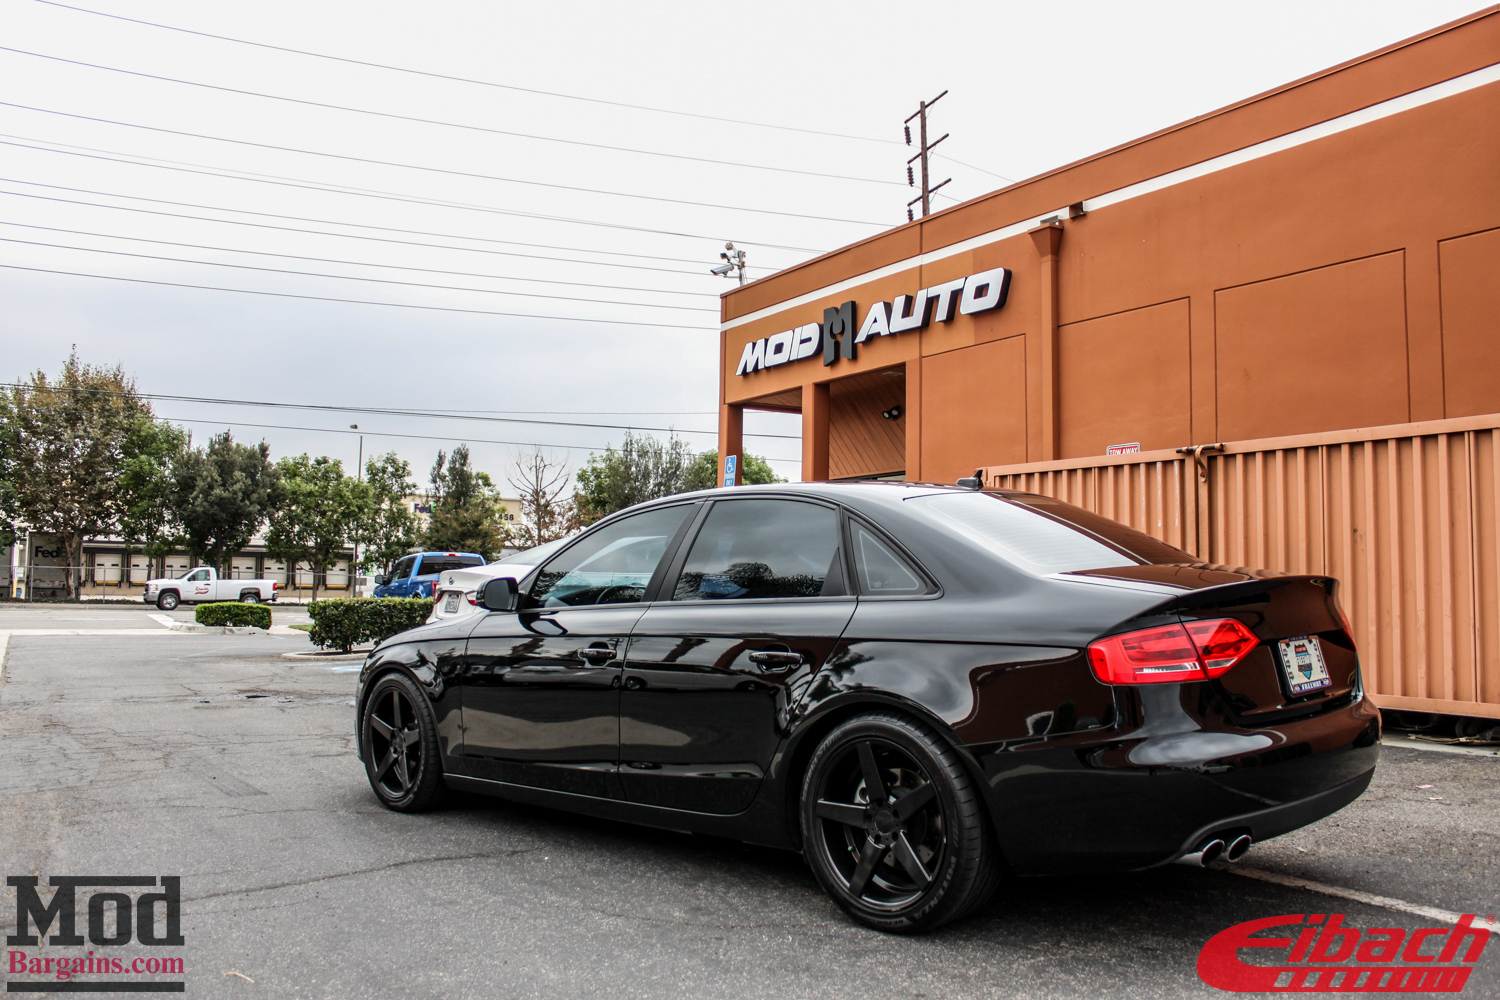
{"x":416,"y":574}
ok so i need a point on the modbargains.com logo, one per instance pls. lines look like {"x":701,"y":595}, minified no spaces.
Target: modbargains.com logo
{"x":1377,"y":960}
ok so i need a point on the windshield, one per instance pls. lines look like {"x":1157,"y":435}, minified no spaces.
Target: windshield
{"x":1042,"y":535}
{"x":535,"y":554}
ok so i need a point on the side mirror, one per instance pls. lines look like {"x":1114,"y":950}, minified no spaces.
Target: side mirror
{"x":499,"y":594}
{"x":381,"y":580}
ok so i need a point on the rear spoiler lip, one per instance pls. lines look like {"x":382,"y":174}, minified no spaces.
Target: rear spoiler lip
{"x":1185,"y":586}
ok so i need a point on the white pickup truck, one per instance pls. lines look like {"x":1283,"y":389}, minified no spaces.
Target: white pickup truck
{"x":203,"y":585}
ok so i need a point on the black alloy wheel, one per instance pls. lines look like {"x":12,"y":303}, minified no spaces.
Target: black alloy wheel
{"x":167,"y":601}
{"x":399,"y":740}
{"x":894,"y":828}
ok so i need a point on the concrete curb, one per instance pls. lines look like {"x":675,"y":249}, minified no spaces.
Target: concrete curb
{"x":217,"y":629}
{"x":323,"y":654}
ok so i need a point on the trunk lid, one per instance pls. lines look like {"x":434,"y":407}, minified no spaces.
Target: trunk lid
{"x":1296,"y":617}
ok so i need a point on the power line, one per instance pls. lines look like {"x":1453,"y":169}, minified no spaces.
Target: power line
{"x":332,"y":222}
{"x":433,"y":121}
{"x":350,"y":277}
{"x":357,"y":302}
{"x":411,"y":166}
{"x":292,"y":182}
{"x":355,"y":263}
{"x":420,"y":437}
{"x":460,"y":79}
{"x":388,"y":411}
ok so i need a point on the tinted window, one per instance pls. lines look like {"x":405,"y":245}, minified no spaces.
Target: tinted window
{"x":1048,"y":536}
{"x":403,"y":568}
{"x":762,"y":548}
{"x":442,"y":564}
{"x":612,"y":564}
{"x":880,"y":570}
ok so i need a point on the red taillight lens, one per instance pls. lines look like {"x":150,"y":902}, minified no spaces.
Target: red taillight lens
{"x":1171,"y":653}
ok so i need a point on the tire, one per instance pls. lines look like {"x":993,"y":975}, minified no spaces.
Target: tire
{"x":899,"y":869}
{"x":249,"y":597}
{"x":397,"y":716}
{"x":167,"y":600}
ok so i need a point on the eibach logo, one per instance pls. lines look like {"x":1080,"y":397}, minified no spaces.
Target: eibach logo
{"x":1388,"y":959}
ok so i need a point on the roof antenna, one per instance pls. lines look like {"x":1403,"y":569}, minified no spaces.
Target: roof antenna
{"x":974,"y":482}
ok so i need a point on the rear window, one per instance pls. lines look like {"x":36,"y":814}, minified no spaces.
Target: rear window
{"x":1043,"y":535}
{"x":442,"y":564}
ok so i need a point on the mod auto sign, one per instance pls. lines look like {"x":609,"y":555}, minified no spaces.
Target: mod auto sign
{"x":837,"y":337}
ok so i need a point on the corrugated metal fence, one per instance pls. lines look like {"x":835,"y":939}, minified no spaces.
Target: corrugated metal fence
{"x":1407,"y":517}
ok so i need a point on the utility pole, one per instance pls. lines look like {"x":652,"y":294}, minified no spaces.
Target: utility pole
{"x":923,"y":150}
{"x":734,"y":262}
{"x":359,"y":475}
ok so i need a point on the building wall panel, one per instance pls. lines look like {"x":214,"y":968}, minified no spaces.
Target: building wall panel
{"x":1470,"y":280}
{"x":1126,"y":378}
{"x":1318,"y":350}
{"x":973,"y":409}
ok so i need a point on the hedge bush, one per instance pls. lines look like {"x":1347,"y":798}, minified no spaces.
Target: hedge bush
{"x":346,"y":621}
{"x":233,"y":613}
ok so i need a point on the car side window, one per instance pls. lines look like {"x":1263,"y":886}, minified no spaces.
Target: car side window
{"x":198,"y":576}
{"x":879,"y":570}
{"x":403,"y":568}
{"x":763,"y":548}
{"x":611,"y":564}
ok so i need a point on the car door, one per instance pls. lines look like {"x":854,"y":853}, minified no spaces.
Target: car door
{"x":397,"y":585}
{"x":198,"y":586}
{"x":749,"y":611}
{"x":541,"y":687}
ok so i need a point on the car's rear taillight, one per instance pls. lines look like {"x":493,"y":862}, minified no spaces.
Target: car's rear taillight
{"x":473,"y":597}
{"x":274,"y":585}
{"x":1193,"y":651}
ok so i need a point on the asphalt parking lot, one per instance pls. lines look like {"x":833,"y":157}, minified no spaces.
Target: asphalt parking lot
{"x":131,"y":749}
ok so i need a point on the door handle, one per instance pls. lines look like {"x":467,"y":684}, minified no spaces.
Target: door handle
{"x":774,"y":658}
{"x":597,"y":655}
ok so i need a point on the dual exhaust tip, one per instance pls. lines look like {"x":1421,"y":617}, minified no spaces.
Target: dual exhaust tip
{"x":1217,"y":850}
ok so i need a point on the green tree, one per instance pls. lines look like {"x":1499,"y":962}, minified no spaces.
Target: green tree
{"x":705,"y":472}
{"x":547,"y":511}
{"x":153,"y":449}
{"x":65,"y":444}
{"x":643,"y":468}
{"x":467,"y":515}
{"x":389,"y":530}
{"x":8,"y":515}
{"x":317,"y":511}
{"x":222,"y":495}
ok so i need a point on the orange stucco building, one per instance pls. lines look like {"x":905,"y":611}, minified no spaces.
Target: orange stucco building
{"x":1304,"y":287}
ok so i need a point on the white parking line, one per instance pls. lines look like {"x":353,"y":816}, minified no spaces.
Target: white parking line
{"x":1369,"y":899}
{"x":162,"y":620}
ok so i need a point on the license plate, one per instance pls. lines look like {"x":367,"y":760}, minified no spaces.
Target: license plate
{"x":451,"y":604}
{"x":1302,"y":659}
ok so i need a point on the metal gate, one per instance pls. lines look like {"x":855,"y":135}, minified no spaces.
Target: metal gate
{"x":1406,"y":516}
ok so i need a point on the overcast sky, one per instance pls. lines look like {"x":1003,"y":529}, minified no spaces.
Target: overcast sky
{"x":618,"y":331}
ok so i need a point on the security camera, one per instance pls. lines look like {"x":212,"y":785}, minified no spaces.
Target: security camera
{"x":722,"y":269}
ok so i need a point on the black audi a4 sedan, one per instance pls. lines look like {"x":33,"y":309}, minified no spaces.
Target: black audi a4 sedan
{"x":921,"y":688}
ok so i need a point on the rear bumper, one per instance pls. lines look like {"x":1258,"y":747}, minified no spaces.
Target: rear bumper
{"x":1088,"y":802}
